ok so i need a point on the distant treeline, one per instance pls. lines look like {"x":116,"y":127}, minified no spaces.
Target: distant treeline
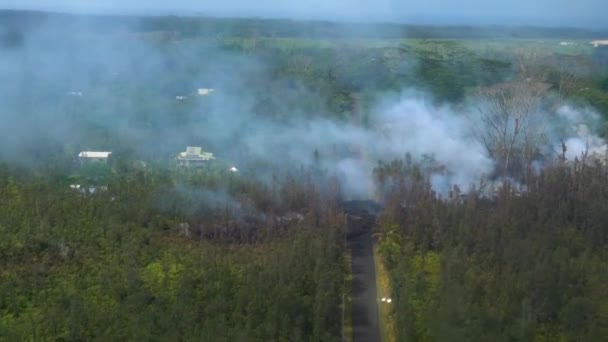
{"x":283,"y":28}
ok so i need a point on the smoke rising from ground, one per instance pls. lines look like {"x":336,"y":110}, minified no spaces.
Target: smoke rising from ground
{"x":144,"y":95}
{"x":577,"y":134}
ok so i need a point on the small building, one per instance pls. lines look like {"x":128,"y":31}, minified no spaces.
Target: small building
{"x":204,"y":91}
{"x":598,"y":43}
{"x":90,"y":189}
{"x":99,"y":156}
{"x":194,"y":156}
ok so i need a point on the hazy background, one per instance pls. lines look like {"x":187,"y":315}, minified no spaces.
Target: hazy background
{"x":583,"y":13}
{"x":71,"y":86}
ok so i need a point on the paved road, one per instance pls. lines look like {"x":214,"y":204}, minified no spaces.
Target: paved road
{"x":366,"y":327}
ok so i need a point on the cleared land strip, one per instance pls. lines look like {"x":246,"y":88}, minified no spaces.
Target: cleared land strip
{"x":364,"y":297}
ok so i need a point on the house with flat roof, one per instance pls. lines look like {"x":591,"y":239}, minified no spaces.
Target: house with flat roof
{"x":204,"y":91}
{"x":194,"y":156}
{"x":598,"y":43}
{"x":100,"y":156}
{"x":89,"y":189}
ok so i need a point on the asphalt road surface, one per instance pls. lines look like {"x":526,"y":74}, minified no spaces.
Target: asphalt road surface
{"x":366,"y":327}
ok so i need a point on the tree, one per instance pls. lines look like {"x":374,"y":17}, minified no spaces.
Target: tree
{"x":567,"y":69}
{"x":529,"y":63}
{"x":511,"y":121}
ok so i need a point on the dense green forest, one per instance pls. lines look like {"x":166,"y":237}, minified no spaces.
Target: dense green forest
{"x":151,"y":262}
{"x":207,"y":254}
{"x":518,"y":266}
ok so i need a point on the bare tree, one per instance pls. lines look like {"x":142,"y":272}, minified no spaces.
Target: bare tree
{"x":510,"y":124}
{"x":567,"y":69}
{"x":564,"y":81}
{"x":529,"y":62}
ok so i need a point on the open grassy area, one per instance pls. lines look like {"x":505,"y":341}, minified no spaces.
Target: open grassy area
{"x":479,"y":45}
{"x":383,"y":286}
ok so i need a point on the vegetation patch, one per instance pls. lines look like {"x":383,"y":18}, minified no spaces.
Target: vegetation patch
{"x":385,"y":307}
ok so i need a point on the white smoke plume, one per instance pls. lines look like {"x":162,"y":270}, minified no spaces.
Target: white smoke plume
{"x":408,"y":124}
{"x":55,"y":84}
{"x":415,"y":126}
{"x":576,"y":126}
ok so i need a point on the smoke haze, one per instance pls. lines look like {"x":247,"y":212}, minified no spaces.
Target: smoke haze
{"x":585,"y":13}
{"x":59,"y":81}
{"x":576,"y":125}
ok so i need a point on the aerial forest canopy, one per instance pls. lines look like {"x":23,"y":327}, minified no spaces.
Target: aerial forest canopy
{"x":484,"y":148}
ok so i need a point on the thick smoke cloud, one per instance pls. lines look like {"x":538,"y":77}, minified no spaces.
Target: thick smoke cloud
{"x":574,"y":128}
{"x":130,"y":86}
{"x":414,"y":126}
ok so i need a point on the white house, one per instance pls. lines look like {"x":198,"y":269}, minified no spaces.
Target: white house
{"x":598,"y":43}
{"x":194,"y":156}
{"x":204,"y":91}
{"x":94,"y":156}
{"x":90,"y":190}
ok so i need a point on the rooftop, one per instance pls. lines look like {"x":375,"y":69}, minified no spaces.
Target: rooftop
{"x":94,"y":154}
{"x":204,"y":91}
{"x":597,"y":43}
{"x":195,"y":153}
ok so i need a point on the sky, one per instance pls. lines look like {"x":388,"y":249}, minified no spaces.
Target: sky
{"x":579,"y":13}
